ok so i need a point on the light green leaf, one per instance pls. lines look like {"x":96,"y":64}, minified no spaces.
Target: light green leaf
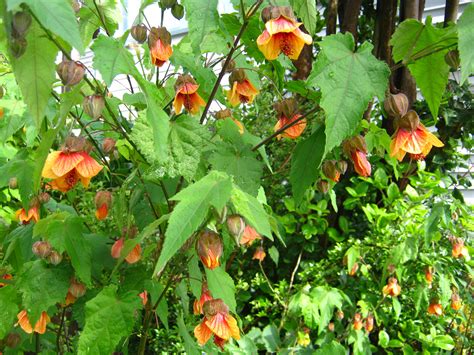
{"x":397,"y":307}
{"x":353,"y":255}
{"x":202,"y":17}
{"x":306,"y":10}
{"x":9,"y":309}
{"x":271,"y":338}
{"x":190,"y":212}
{"x":189,"y":342}
{"x":445,"y":288}
{"x":274,"y":254}
{"x":444,"y":342}
{"x":13,"y":118}
{"x":332,"y":348}
{"x":305,"y":162}
{"x":327,"y":299}
{"x":109,"y":317}
{"x":20,"y":167}
{"x":41,"y":287}
{"x":89,"y":22}
{"x":215,"y":42}
{"x":222,"y":286}
{"x":384,"y":338}
{"x":253,"y":212}
{"x":35,"y":72}
{"x":348,"y":81}
{"x":466,"y":39}
{"x":56,"y":16}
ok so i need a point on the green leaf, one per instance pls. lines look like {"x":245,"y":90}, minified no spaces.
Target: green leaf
{"x":189,"y":342}
{"x":202,"y":17}
{"x":332,"y":348}
{"x":445,"y":288}
{"x":271,"y":338}
{"x":353,"y":255}
{"x":65,"y":233}
{"x":222,"y":286}
{"x":19,"y":167}
{"x":109,"y":317}
{"x":306,"y":10}
{"x":14,"y":118}
{"x":444,"y":342}
{"x":384,"y":338}
{"x":397,"y":307}
{"x":274,"y":254}
{"x":413,"y":38}
{"x":9,"y":309}
{"x":191,"y":211}
{"x":252,"y":210}
{"x":326,"y":299}
{"x":348,"y":81}
{"x":41,"y":287}
{"x":466,"y":39}
{"x":35,"y":72}
{"x":89,"y":22}
{"x":305,"y":163}
{"x":56,"y":16}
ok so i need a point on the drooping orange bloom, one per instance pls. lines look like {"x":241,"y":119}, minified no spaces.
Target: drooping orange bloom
{"x":259,"y":254}
{"x":459,"y":249}
{"x":292,"y":132}
{"x":357,"y":322}
{"x":369,"y":323}
{"x":70,"y":165}
{"x":456,"y":302}
{"x":412,"y":137}
{"x":435,"y":308}
{"x":205,"y":296}
{"x":249,"y":236}
{"x":132,"y":257}
{"x":218,"y":322}
{"x":70,"y":299}
{"x":159,"y":42}
{"x":331,"y":171}
{"x":117,"y":248}
{"x":209,"y":248}
{"x":187,"y":95}
{"x":281,"y":34}
{"x":103,"y":200}
{"x":429,"y":275}
{"x":144,"y":297}
{"x":40,"y":326}
{"x":392,"y":289}
{"x":25,"y":218}
{"x":5,"y":277}
{"x":242,"y":90}
{"x":356,"y":149}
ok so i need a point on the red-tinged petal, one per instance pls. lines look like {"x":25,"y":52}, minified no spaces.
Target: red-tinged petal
{"x":70,"y":299}
{"x":66,"y":182}
{"x":195,"y":103}
{"x":178,"y":103}
{"x":160,"y":53}
{"x":117,"y":248}
{"x":65,"y":162}
{"x":220,"y":342}
{"x":202,"y":333}
{"x":361,"y":164}
{"x":24,"y":322}
{"x":188,"y":88}
{"x":294,"y":131}
{"x":88,"y":167}
{"x":40,"y":326}
{"x":249,"y":236}
{"x":397,"y":143}
{"x":135,"y":255}
{"x":246,"y":88}
{"x":233,"y":327}
{"x":218,"y":325}
{"x":48,"y":165}
{"x":102,"y":212}
{"x":281,"y":25}
{"x":269,"y":45}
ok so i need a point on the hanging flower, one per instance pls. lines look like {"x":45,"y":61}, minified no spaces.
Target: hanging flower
{"x":40,"y":326}
{"x":356,"y":149}
{"x":70,"y":165}
{"x":331,"y":171}
{"x":242,"y":90}
{"x":132,"y":257}
{"x":5,"y":277}
{"x":103,"y":201}
{"x":144,"y":297}
{"x":287,"y":113}
{"x":159,"y":42}
{"x":259,"y":254}
{"x":249,"y":236}
{"x":281,"y":34}
{"x":369,"y":323}
{"x":187,"y":96}
{"x":357,"y":322}
{"x":459,"y":249}
{"x":209,"y":248}
{"x":429,"y":275}
{"x":76,"y":288}
{"x":412,"y":137}
{"x":456,"y":302}
{"x":226,"y":113}
{"x":26,"y":217}
{"x":435,"y":308}
{"x":392,"y":289}
{"x":70,"y":299}
{"x":205,"y":296}
{"x":217,"y":322}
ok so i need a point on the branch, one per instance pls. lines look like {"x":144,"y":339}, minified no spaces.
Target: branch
{"x":451,"y":11}
{"x":331,"y":17}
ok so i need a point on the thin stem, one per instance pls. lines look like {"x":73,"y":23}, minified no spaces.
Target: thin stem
{"x":58,"y":338}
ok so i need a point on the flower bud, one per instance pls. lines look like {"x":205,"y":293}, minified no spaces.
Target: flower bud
{"x":21,"y":22}
{"x":286,"y":108}
{"x":44,"y":197}
{"x":108,"y":145}
{"x":322,"y":186}
{"x":354,"y":269}
{"x":396,"y":105}
{"x":236,"y":225}
{"x":93,"y":105}
{"x":117,"y":248}
{"x":435,"y":308}
{"x":209,"y":248}
{"x":222,"y":114}
{"x":12,"y":340}
{"x":41,"y":248}
{"x":369,"y":323}
{"x":455,"y":302}
{"x":429,"y":275}
{"x":259,"y":254}
{"x":167,"y":4}
{"x":177,"y":11}
{"x":452,"y":59}
{"x":55,"y":258}
{"x":249,"y":236}
{"x":70,"y":72}
{"x":139,"y":33}
{"x":357,"y":322}
{"x":331,"y":326}
{"x":273,"y":12}
{"x":18,"y":47}
{"x":76,"y":288}
{"x":409,"y":122}
{"x":331,"y":171}
{"x":214,"y":306}
{"x":103,"y":201}
{"x":340,"y":315}
{"x":13,"y":183}
{"x":230,"y":66}
{"x":342,"y":166}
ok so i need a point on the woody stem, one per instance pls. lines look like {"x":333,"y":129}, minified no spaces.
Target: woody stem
{"x":252,"y":11}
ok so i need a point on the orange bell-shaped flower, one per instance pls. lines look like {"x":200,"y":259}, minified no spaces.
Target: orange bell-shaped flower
{"x":187,"y":95}
{"x":357,"y":322}
{"x":429,"y":275}
{"x":40,"y":326}
{"x":259,"y":254}
{"x":26,"y":217}
{"x":287,"y":113}
{"x":132,"y":257}
{"x":249,"y":236}
{"x":456,"y":301}
{"x":159,"y":42}
{"x":281,"y":34}
{"x":209,"y":248}
{"x":392,"y":289}
{"x":459,"y":249}
{"x":242,"y":90}
{"x":435,"y":308}
{"x":356,"y":149}
{"x":103,"y":201}
{"x":369,"y":323}
{"x":205,"y":296}
{"x":144,"y":297}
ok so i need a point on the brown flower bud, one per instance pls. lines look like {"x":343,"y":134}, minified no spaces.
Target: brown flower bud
{"x":259,"y":254}
{"x":108,"y":145}
{"x":213,"y":307}
{"x":223,"y":114}
{"x":331,"y":326}
{"x":139,"y":33}
{"x":409,"y":122}
{"x":238,"y":75}
{"x":70,"y":72}
{"x":55,"y":258}
{"x":159,"y":33}
{"x":273,"y":12}
{"x":93,"y":105}
{"x":41,"y":248}
{"x":356,"y":143}
{"x":391,"y":268}
{"x":12,"y":340}
{"x":177,"y":11}
{"x":183,"y":79}
{"x":452,"y":59}
{"x":18,"y":47}
{"x":21,"y":22}
{"x":323,"y":186}
{"x":330,"y":170}
{"x":76,"y":288}
{"x":340,"y":315}
{"x":44,"y":197}
{"x":342,"y":166}
{"x":396,"y":105}
{"x":13,"y":183}
{"x":236,"y":225}
{"x":286,"y":108}
{"x":369,"y":323}
{"x":209,"y":248}
{"x":230,"y":66}
{"x":73,"y":144}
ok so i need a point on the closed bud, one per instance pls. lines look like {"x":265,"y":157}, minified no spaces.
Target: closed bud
{"x":342,"y":166}
{"x":214,"y":306}
{"x":177,"y":11}
{"x":167,"y":4}
{"x":273,"y":12}
{"x":93,"y":105}
{"x":41,"y":249}
{"x":259,"y":254}
{"x":456,"y":302}
{"x":55,"y":258}
{"x":108,"y":145}
{"x":44,"y":197}
{"x":18,"y":47}
{"x":369,"y":323}
{"x":223,"y":114}
{"x":409,"y":122}
{"x":209,"y":248}
{"x":340,"y":315}
{"x":331,"y":171}
{"x":323,"y":186}
{"x":139,"y":33}
{"x":396,"y":105}
{"x":452,"y":59}
{"x":70,"y":72}
{"x":230,"y":66}
{"x":391,"y":268}
{"x":236,"y":225}
{"x":13,"y":183}
{"x":12,"y":340}
{"x":21,"y":22}
{"x":103,"y":202}
{"x":76,"y":288}
{"x":286,"y":108}
{"x":74,"y":144}
{"x":331,"y":326}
